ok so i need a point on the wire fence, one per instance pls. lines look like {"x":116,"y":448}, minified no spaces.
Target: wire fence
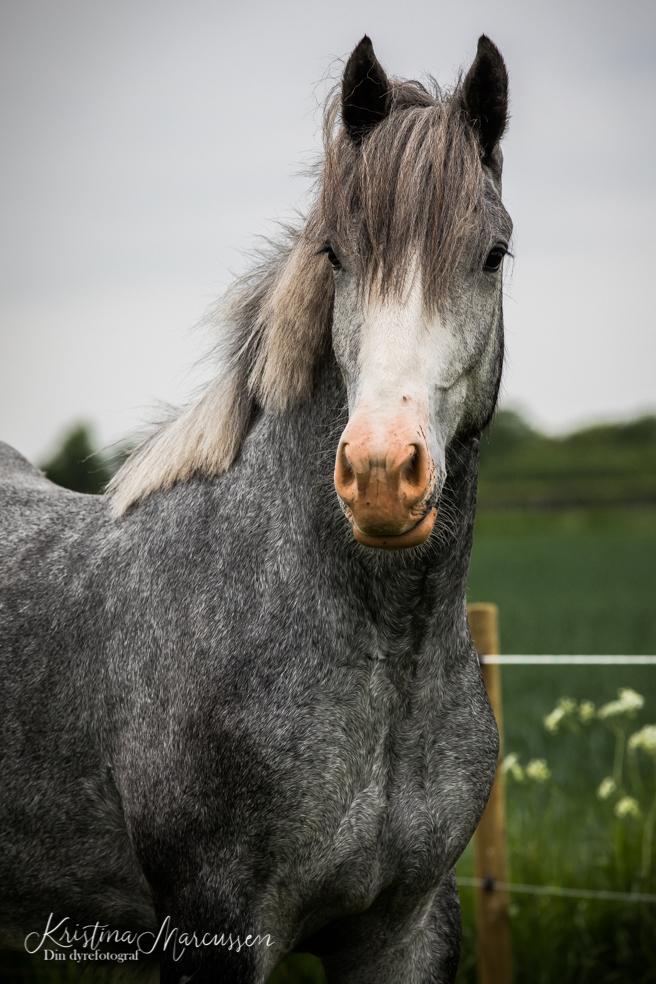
{"x":530,"y":660}
{"x":557,"y":891}
{"x":488,"y":884}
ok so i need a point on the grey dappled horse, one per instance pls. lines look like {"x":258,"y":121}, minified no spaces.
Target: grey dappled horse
{"x":230,"y":696}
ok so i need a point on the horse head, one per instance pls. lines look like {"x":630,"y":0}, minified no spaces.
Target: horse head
{"x":415,"y":234}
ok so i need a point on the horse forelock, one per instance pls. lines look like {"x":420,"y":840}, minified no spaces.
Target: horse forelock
{"x":413,"y":192}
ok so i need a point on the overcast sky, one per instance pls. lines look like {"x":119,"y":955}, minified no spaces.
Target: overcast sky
{"x":146,"y":145}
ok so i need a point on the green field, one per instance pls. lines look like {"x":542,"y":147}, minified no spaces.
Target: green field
{"x":569,"y":582}
{"x":572,"y":582}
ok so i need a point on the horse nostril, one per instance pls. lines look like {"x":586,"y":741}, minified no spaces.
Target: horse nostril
{"x":347,"y":467}
{"x":413,"y":472}
{"x":344,"y":474}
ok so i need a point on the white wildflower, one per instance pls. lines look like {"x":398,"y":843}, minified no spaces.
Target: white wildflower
{"x":644,"y":739}
{"x":538,"y":770}
{"x":627,"y":807}
{"x":614,"y":708}
{"x":510,"y":766}
{"x":587,"y":711}
{"x":563,"y":709}
{"x":632,"y":700}
{"x":628,"y":702}
{"x":553,"y":719}
{"x":606,"y":788}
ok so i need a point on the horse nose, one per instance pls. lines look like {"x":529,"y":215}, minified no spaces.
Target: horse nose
{"x":385,"y":487}
{"x":396,"y":478}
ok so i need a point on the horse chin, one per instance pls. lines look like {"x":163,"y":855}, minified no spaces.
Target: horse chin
{"x":411,"y":538}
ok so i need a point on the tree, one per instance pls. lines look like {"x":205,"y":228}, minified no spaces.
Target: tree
{"x":78,"y":465}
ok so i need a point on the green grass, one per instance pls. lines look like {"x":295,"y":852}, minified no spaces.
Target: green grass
{"x":571,"y":582}
{"x":560,"y":833}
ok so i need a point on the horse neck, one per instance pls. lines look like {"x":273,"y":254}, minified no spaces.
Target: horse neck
{"x":407,"y":593}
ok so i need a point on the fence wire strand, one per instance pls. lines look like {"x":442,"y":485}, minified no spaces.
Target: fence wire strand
{"x":557,"y":891}
{"x":574,"y":660}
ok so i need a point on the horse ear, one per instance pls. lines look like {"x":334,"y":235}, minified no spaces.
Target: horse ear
{"x":365,"y":91}
{"x":485,"y":95}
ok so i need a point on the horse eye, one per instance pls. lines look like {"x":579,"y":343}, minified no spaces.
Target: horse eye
{"x":332,"y":256}
{"x":494,"y":258}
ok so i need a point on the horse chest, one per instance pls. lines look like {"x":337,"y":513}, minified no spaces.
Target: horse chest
{"x":403,"y":822}
{"x":402,"y":815}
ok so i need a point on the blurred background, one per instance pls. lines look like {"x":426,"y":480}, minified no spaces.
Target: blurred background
{"x":147,"y":145}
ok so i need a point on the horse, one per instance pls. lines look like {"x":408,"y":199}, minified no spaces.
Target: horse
{"x":239,"y":697}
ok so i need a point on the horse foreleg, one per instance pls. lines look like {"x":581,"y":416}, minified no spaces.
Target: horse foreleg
{"x":203,"y":944}
{"x":378,"y":949}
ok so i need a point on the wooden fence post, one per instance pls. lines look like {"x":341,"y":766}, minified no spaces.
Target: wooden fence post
{"x":492,"y":914}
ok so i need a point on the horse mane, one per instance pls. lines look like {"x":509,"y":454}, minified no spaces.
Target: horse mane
{"x":415,"y":185}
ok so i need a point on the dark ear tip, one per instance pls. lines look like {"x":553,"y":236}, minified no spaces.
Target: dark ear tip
{"x":365,"y":91}
{"x":364,"y":48}
{"x":485,"y":95}
{"x":363,"y":51}
{"x":488,"y":48}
